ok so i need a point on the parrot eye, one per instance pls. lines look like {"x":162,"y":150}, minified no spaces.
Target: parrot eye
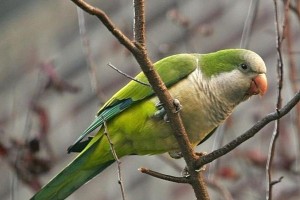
{"x":244,"y":67}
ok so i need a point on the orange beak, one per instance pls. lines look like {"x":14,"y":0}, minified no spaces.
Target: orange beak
{"x":259,"y":85}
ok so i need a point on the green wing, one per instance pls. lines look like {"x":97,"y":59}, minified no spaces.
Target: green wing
{"x":171,"y":69}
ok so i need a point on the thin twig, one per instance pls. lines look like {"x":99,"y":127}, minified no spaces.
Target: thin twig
{"x":277,"y":181}
{"x":88,"y":54}
{"x":86,"y":47}
{"x":164,"y":176}
{"x":249,"y":133}
{"x":112,"y":149}
{"x":128,"y":76}
{"x":275,"y":134}
{"x":251,"y":16}
{"x":271,"y":153}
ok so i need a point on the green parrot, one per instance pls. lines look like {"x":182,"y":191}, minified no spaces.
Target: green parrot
{"x":207,"y":87}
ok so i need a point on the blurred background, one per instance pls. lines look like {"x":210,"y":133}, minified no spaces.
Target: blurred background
{"x":54,"y":76}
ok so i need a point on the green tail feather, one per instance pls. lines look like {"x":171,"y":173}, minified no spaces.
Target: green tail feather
{"x":70,"y":179}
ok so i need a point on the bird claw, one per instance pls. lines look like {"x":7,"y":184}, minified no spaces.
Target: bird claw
{"x":177,"y":105}
{"x":161,"y":112}
{"x":159,"y":105}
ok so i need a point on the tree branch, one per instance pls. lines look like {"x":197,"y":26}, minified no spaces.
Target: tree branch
{"x":139,"y":29}
{"x":249,"y":133}
{"x":165,"y":98}
{"x":164,"y":176}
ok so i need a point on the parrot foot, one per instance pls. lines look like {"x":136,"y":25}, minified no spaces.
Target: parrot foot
{"x":177,"y":105}
{"x":175,"y":154}
{"x":161,"y":113}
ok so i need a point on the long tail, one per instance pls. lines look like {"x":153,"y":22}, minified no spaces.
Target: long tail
{"x":71,"y":178}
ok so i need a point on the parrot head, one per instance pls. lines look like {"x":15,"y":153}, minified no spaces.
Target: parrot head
{"x":237,"y":74}
{"x":253,"y":71}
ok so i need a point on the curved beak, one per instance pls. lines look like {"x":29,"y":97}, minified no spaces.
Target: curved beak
{"x":259,"y":85}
